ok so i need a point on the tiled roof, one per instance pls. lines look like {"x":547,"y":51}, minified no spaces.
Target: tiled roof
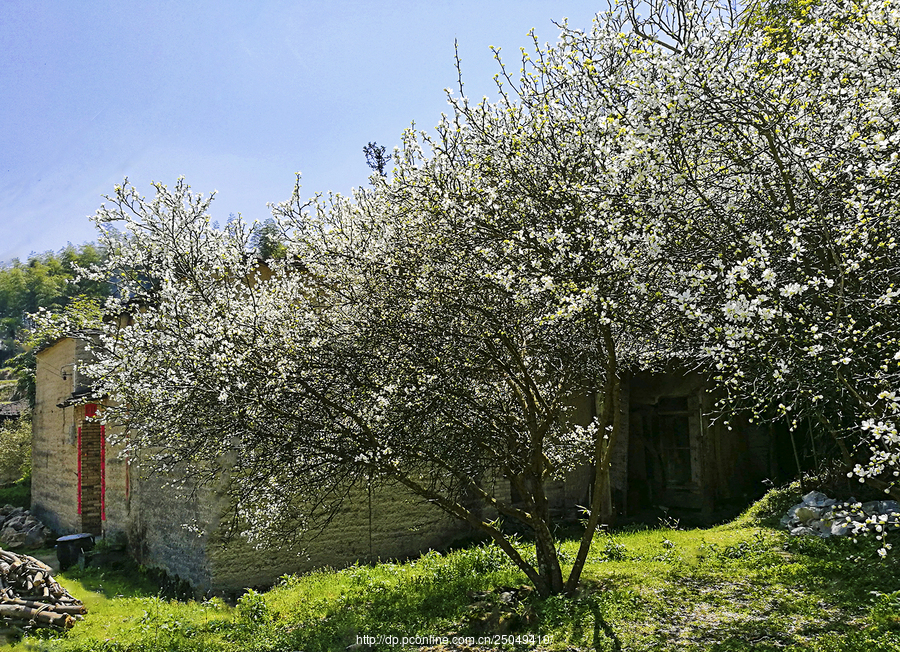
{"x":14,"y":409}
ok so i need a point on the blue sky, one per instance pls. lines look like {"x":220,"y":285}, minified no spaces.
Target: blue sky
{"x":234,"y":96}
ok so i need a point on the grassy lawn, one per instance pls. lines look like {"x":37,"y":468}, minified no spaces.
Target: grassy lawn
{"x":741,"y":586}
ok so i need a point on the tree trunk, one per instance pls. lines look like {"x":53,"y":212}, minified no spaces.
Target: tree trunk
{"x":603,"y":449}
{"x":547,"y":558}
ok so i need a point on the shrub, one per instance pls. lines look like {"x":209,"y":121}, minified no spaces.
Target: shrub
{"x":769,"y":509}
{"x":15,"y":449}
{"x":17,"y":494}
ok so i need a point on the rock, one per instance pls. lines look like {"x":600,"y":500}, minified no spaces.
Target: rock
{"x":816,"y":498}
{"x":791,"y":515}
{"x":35,"y":537}
{"x":802,"y":531}
{"x":806,"y":514}
{"x":822,"y":528}
{"x":841,"y":528}
{"x":11,"y":538}
{"x":826,"y":517}
{"x":16,"y":522}
{"x":6,"y":510}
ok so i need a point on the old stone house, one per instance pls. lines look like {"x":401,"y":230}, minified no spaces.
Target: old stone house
{"x":12,"y":410}
{"x":668,"y":456}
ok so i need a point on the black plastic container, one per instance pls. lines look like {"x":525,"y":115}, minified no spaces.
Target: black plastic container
{"x":71,"y":547}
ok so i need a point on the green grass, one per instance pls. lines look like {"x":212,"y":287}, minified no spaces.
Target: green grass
{"x":740,"y":586}
{"x":17,"y":494}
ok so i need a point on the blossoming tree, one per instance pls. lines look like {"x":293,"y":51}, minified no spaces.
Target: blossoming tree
{"x":768,"y":146}
{"x":434,"y":331}
{"x":783,"y":166}
{"x":429,"y":333}
{"x":670,"y":185}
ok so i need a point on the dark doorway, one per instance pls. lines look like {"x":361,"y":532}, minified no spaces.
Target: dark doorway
{"x":663,"y":458}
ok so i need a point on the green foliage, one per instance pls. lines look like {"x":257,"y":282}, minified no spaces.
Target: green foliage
{"x":777,"y":18}
{"x":81,"y":312}
{"x":744,"y":550}
{"x":769,"y":509}
{"x":611,"y":550}
{"x":46,"y":280}
{"x":252,"y":607}
{"x":886,"y":610}
{"x":17,"y":494}
{"x":15,"y":449}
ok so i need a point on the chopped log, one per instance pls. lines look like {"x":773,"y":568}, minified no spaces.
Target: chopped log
{"x":71,"y":609}
{"x":42,"y":565}
{"x":41,"y":616}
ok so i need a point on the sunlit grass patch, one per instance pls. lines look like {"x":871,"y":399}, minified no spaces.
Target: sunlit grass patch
{"x":740,"y":586}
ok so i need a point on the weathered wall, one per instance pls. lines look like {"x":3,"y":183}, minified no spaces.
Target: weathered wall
{"x":118,"y":497}
{"x":54,"y":498}
{"x":389,"y":523}
{"x":392,"y":525}
{"x":163,"y":521}
{"x":54,"y":478}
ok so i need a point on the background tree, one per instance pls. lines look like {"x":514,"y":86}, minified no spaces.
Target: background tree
{"x":15,"y":445}
{"x":267,"y":240}
{"x":46,"y":281}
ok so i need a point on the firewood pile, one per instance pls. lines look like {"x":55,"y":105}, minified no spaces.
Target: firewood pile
{"x":30,"y":596}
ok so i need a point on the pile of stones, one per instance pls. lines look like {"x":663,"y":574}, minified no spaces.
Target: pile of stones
{"x":821,"y":516}
{"x":20,"y":529}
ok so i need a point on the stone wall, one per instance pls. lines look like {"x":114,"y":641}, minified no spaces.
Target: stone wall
{"x":392,"y":525}
{"x":387,"y":523}
{"x":166,"y":526}
{"x":54,"y":475}
{"x":117,"y":497}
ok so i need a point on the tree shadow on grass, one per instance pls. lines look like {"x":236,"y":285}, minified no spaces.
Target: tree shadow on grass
{"x":796,"y":591}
